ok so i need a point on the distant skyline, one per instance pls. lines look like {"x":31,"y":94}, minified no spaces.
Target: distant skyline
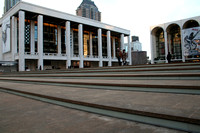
{"x":136,"y":16}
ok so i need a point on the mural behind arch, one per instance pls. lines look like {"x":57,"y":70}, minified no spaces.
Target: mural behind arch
{"x":191,"y":41}
{"x":6,"y":35}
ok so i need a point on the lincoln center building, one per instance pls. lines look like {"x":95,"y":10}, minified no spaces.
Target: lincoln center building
{"x":179,"y":38}
{"x":40,"y":38}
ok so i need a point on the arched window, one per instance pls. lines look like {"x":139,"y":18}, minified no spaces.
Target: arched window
{"x":190,"y":24}
{"x":158,"y":44}
{"x":174,"y":41}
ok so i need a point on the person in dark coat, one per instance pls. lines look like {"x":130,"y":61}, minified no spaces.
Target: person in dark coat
{"x":124,"y":56}
{"x":119,"y":56}
{"x":169,"y":56}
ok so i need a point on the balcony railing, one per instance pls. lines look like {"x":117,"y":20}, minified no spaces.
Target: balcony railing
{"x":91,"y":56}
{"x":31,"y":53}
{"x":56,"y":55}
{"x":53,"y":54}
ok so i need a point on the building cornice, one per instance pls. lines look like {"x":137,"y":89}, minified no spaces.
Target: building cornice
{"x":178,"y":22}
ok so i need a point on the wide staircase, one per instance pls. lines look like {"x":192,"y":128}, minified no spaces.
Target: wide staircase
{"x":163,"y":96}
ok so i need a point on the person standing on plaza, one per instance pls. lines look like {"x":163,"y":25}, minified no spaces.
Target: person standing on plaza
{"x":119,"y":55}
{"x":169,"y":56}
{"x":124,"y":55}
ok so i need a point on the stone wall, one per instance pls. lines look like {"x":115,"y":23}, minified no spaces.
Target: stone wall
{"x":139,"y":57}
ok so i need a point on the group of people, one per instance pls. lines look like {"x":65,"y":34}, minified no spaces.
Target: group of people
{"x":121,"y":55}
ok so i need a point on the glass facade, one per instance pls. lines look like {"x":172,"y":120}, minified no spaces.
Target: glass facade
{"x":50,"y":45}
{"x":95,"y":44}
{"x":104,"y":45}
{"x":117,"y":44}
{"x":86,"y":44}
{"x":27,"y":36}
{"x":160,"y":45}
{"x":50,"y":38}
{"x":63,"y":33}
{"x":36,"y":36}
{"x":75,"y":42}
{"x":175,"y":43}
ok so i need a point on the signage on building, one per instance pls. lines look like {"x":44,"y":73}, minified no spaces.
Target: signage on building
{"x":6,"y":35}
{"x":191,"y":41}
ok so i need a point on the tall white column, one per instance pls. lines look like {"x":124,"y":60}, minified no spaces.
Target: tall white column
{"x":122,"y":41}
{"x":14,"y":37}
{"x":182,"y":46}
{"x":1,"y":48}
{"x":166,"y":47}
{"x":68,"y":49}
{"x":109,"y":48}
{"x":40,"y":42}
{"x":152,"y":48}
{"x":59,"y":39}
{"x":129,"y":51}
{"x":32,"y":36}
{"x":21,"y":40}
{"x":80,"y":42}
{"x":100,"y":48}
{"x":91,"y":51}
{"x":114,"y":54}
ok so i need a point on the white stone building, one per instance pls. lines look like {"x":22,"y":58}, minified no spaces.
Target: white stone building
{"x":181,"y":38}
{"x":135,"y":44}
{"x":41,"y":38}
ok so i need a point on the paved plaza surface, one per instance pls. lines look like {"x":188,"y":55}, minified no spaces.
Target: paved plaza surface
{"x":22,"y":115}
{"x":171,"y":95}
{"x":165,"y":103}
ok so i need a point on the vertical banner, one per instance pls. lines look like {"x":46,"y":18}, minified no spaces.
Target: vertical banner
{"x":6,"y":35}
{"x":191,"y":41}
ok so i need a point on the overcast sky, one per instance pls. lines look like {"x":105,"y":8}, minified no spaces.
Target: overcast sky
{"x":134,"y":15}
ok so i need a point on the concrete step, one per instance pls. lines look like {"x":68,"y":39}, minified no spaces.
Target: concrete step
{"x":36,"y":116}
{"x":176,"y":84}
{"x":171,"y":94}
{"x":180,"y":67}
{"x":171,"y":107}
{"x":117,"y":76}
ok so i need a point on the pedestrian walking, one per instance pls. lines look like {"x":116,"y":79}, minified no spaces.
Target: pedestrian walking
{"x":124,"y":56}
{"x":169,"y":56}
{"x":119,"y":56}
